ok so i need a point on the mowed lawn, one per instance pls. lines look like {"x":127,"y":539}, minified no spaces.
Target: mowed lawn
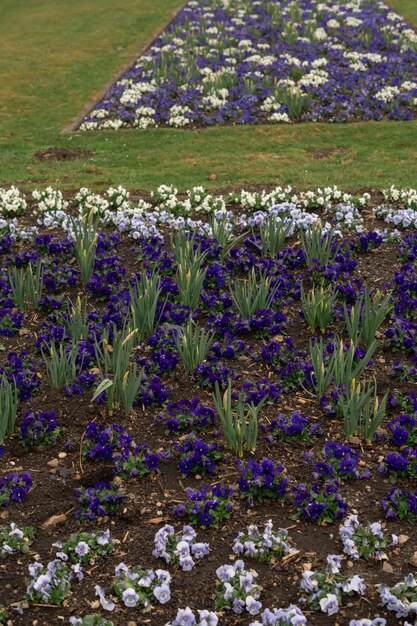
{"x":56,"y":55}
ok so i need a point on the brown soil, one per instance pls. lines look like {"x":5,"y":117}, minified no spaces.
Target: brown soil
{"x":62,"y":154}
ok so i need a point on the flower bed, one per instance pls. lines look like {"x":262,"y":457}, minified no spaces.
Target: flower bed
{"x":246,"y":62}
{"x":208,"y":393}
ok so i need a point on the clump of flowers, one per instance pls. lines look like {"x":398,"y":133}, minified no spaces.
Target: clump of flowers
{"x":286,"y":361}
{"x":262,"y":480}
{"x":406,"y":402}
{"x":187,"y":415}
{"x":136,"y":462}
{"x":101,"y":442}
{"x":85,"y":548}
{"x":237,"y":589}
{"x":39,"y":428}
{"x":51,"y":584}
{"x":400,"y":465}
{"x":14,"y":487}
{"x":208,"y":506}
{"x":198,"y":457}
{"x":400,"y":504}
{"x":100,"y":500}
{"x":12,"y":203}
{"x":179,"y":547}
{"x":15,"y":539}
{"x":319,"y":503}
{"x":324,"y":591}
{"x":404,"y":430}
{"x":401,"y":598}
{"x":293,"y":427}
{"x":339,"y":461}
{"x":90,"y":620}
{"x":263,"y":546}
{"x":137,"y":587}
{"x":367,"y":542}
{"x":290,"y":616}
{"x":187,"y":616}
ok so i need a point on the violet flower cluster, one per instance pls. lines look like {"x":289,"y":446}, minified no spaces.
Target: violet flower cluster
{"x":14,"y":487}
{"x":197,"y":457}
{"x":401,"y":465}
{"x":401,"y":504}
{"x":339,"y":461}
{"x":39,"y":428}
{"x":179,"y":547}
{"x":207,"y":506}
{"x":186,"y":415}
{"x":97,"y":501}
{"x":319,"y":503}
{"x":263,"y":480}
{"x":403,"y":430}
{"x":289,"y":428}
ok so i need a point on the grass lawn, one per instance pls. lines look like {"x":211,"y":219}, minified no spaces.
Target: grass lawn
{"x":56,"y":55}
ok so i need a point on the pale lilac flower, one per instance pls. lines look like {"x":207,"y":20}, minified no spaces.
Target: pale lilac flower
{"x":334,"y":563}
{"x":162,"y":593}
{"x":107,"y":605}
{"x":183,"y":549}
{"x":104,"y":539}
{"x":130,"y":597}
{"x":186,"y":563}
{"x":356,"y":584}
{"x":329,"y":604}
{"x":208,"y":618}
{"x":82,"y":548}
{"x":42,"y":583}
{"x":78,"y":571}
{"x":252,"y":606}
{"x":198,"y":550}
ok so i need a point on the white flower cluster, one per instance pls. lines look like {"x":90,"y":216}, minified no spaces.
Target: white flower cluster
{"x":90,"y":203}
{"x":118,"y":197}
{"x":49,"y":200}
{"x":12,"y":203}
{"x":180,"y":116}
{"x":405,"y":197}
